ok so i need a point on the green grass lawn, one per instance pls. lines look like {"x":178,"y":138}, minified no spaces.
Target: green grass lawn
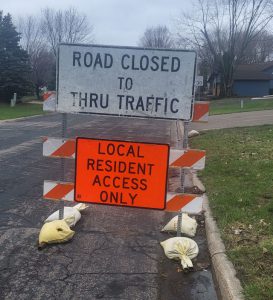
{"x":30,"y":98}
{"x":20,"y":110}
{"x":231,"y":105}
{"x":239,"y":182}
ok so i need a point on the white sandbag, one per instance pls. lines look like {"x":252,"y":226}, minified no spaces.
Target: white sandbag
{"x":80,"y":206}
{"x":181,"y":248}
{"x":189,"y":225}
{"x":71,"y":216}
{"x":193,"y":133}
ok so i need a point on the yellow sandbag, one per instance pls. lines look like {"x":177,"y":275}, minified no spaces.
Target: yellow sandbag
{"x":55,"y":232}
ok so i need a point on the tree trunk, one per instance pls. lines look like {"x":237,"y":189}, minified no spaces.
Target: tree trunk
{"x":37,"y":91}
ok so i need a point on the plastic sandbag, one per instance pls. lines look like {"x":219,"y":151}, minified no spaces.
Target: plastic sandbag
{"x":181,"y":248}
{"x":55,"y":232}
{"x":193,"y":133}
{"x":189,"y":225}
{"x":71,"y":214}
{"x":80,"y":206}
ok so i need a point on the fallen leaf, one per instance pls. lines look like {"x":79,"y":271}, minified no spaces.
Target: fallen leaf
{"x":265,"y":250}
{"x":203,"y":265}
{"x":179,"y":270}
{"x":237,"y":231}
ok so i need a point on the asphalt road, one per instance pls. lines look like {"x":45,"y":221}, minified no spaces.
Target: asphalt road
{"x":115,"y":253}
{"x":253,"y":118}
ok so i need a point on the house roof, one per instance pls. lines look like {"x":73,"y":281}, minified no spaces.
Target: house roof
{"x":253,"y":71}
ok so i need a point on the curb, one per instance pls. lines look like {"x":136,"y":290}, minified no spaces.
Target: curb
{"x":229,"y":285}
{"x":197,"y":183}
{"x":225,"y":274}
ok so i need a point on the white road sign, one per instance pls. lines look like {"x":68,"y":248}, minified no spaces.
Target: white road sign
{"x":125,"y":81}
{"x":199,"y":81}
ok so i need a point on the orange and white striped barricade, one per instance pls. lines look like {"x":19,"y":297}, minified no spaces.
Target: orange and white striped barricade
{"x":49,"y":99}
{"x":55,"y":190}
{"x":59,"y":148}
{"x":200,"y":111}
{"x":189,"y":203}
{"x":65,"y":148}
{"x":187,"y":158}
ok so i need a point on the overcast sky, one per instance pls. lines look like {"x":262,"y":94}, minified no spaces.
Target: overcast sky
{"x":116,"y":22}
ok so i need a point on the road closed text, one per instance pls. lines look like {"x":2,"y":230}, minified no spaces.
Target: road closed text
{"x":154,"y":63}
{"x":121,"y":173}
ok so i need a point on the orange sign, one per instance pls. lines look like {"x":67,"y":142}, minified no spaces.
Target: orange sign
{"x":121,"y":173}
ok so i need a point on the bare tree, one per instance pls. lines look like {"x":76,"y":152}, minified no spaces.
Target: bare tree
{"x":43,"y":69}
{"x":223,"y":30}
{"x":41,"y":58}
{"x":67,"y":26}
{"x":41,"y":35}
{"x":31,"y":33}
{"x":157,"y":37}
{"x":260,"y":49}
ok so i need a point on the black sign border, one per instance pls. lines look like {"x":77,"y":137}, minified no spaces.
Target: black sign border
{"x":124,"y":47}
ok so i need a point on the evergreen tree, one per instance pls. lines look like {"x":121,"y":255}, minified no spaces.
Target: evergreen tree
{"x":14,"y":62}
